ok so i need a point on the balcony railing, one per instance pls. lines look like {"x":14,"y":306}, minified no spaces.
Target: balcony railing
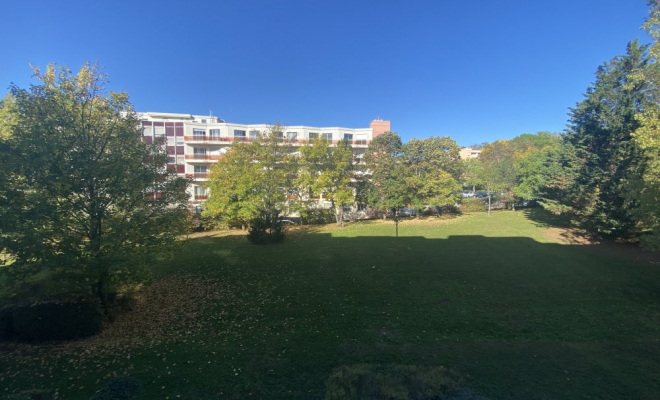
{"x":201,"y":196}
{"x":208,"y":138}
{"x":203,"y":157}
{"x":215,"y":139}
{"x":198,"y":175}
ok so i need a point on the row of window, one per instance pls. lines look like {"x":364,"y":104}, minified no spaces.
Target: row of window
{"x":253,"y":134}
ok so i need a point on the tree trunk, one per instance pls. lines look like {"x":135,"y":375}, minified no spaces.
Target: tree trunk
{"x":488,"y":203}
{"x":339,"y":215}
{"x":396,"y":222}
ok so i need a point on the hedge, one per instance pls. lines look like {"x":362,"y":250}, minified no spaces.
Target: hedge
{"x":51,"y":321}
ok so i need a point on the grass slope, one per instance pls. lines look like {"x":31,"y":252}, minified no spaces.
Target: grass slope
{"x":496,"y":298}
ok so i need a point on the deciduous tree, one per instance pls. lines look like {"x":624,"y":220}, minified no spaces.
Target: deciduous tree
{"x":253,"y":182}
{"x":85,"y":201}
{"x":328,"y":170}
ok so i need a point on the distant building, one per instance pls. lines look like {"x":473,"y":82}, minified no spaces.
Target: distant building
{"x":195,"y":142}
{"x":468,"y":152}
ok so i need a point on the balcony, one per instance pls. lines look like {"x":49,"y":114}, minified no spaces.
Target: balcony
{"x":211,"y":139}
{"x":201,"y":196}
{"x":203,"y":157}
{"x":295,"y":142}
{"x":198,"y":175}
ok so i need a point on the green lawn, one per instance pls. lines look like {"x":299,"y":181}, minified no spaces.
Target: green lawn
{"x":496,"y":298}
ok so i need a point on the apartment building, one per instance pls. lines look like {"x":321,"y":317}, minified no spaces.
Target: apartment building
{"x":196,"y":142}
{"x":468,"y":152}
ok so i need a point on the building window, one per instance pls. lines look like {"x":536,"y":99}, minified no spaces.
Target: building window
{"x":327,"y":136}
{"x":239,"y":136}
{"x":348,"y":136}
{"x":313,"y":136}
{"x":200,"y":191}
{"x":199,"y":150}
{"x":254,"y":134}
{"x":215,"y":133}
{"x":291,"y":135}
{"x":200,"y":169}
{"x":199,"y":132}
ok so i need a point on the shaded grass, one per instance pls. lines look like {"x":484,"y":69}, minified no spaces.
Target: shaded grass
{"x":518,"y":315}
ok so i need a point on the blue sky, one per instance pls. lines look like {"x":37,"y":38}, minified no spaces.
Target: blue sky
{"x":476,"y":70}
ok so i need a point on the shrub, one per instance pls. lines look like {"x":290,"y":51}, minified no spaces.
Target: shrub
{"x":34,"y":394}
{"x":317,"y":216}
{"x":202,"y":223}
{"x":394,"y":382}
{"x":474,"y":205}
{"x":266,"y":229}
{"x":55,"y":321}
{"x":6,"y":324}
{"x":122,"y":388}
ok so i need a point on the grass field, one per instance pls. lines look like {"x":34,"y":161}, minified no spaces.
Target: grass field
{"x":503,"y":300}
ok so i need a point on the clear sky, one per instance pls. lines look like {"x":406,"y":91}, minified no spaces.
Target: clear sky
{"x":477,"y":70}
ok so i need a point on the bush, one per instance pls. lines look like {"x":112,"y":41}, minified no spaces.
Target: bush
{"x":266,"y":230}
{"x":317,"y":216}
{"x":122,"y":388}
{"x":474,"y":205}
{"x":203,"y":223}
{"x":6,"y":324}
{"x":52,"y":321}
{"x":394,"y":382}
{"x":34,"y":394}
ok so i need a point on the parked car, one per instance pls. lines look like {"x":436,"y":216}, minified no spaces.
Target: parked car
{"x":468,"y":194}
{"x":407,"y":212}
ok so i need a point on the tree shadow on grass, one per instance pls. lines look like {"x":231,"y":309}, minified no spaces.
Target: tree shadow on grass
{"x":545,"y":219}
{"x":510,"y":313}
{"x":560,"y":228}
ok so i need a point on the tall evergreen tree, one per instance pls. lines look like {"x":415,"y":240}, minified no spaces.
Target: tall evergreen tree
{"x":600,"y":134}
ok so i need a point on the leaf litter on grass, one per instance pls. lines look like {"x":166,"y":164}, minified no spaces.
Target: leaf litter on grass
{"x":172,"y":310}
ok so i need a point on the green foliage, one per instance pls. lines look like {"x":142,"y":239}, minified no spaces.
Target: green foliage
{"x":432,"y":169}
{"x":8,"y":116}
{"x":469,"y":205}
{"x":386,"y":189}
{"x":643,"y":190}
{"x":122,"y":388}
{"x":328,"y":170}
{"x":266,"y":229}
{"x":606,"y":160}
{"x":52,"y":321}
{"x":472,"y":173}
{"x":253,"y":182}
{"x":77,"y":199}
{"x":317,"y":216}
{"x":391,"y":382}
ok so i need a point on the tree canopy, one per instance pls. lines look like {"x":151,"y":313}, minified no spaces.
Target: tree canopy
{"x":253,"y":182}
{"x":83,"y":198}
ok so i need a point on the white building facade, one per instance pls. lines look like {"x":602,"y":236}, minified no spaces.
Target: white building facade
{"x":196,"y":142}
